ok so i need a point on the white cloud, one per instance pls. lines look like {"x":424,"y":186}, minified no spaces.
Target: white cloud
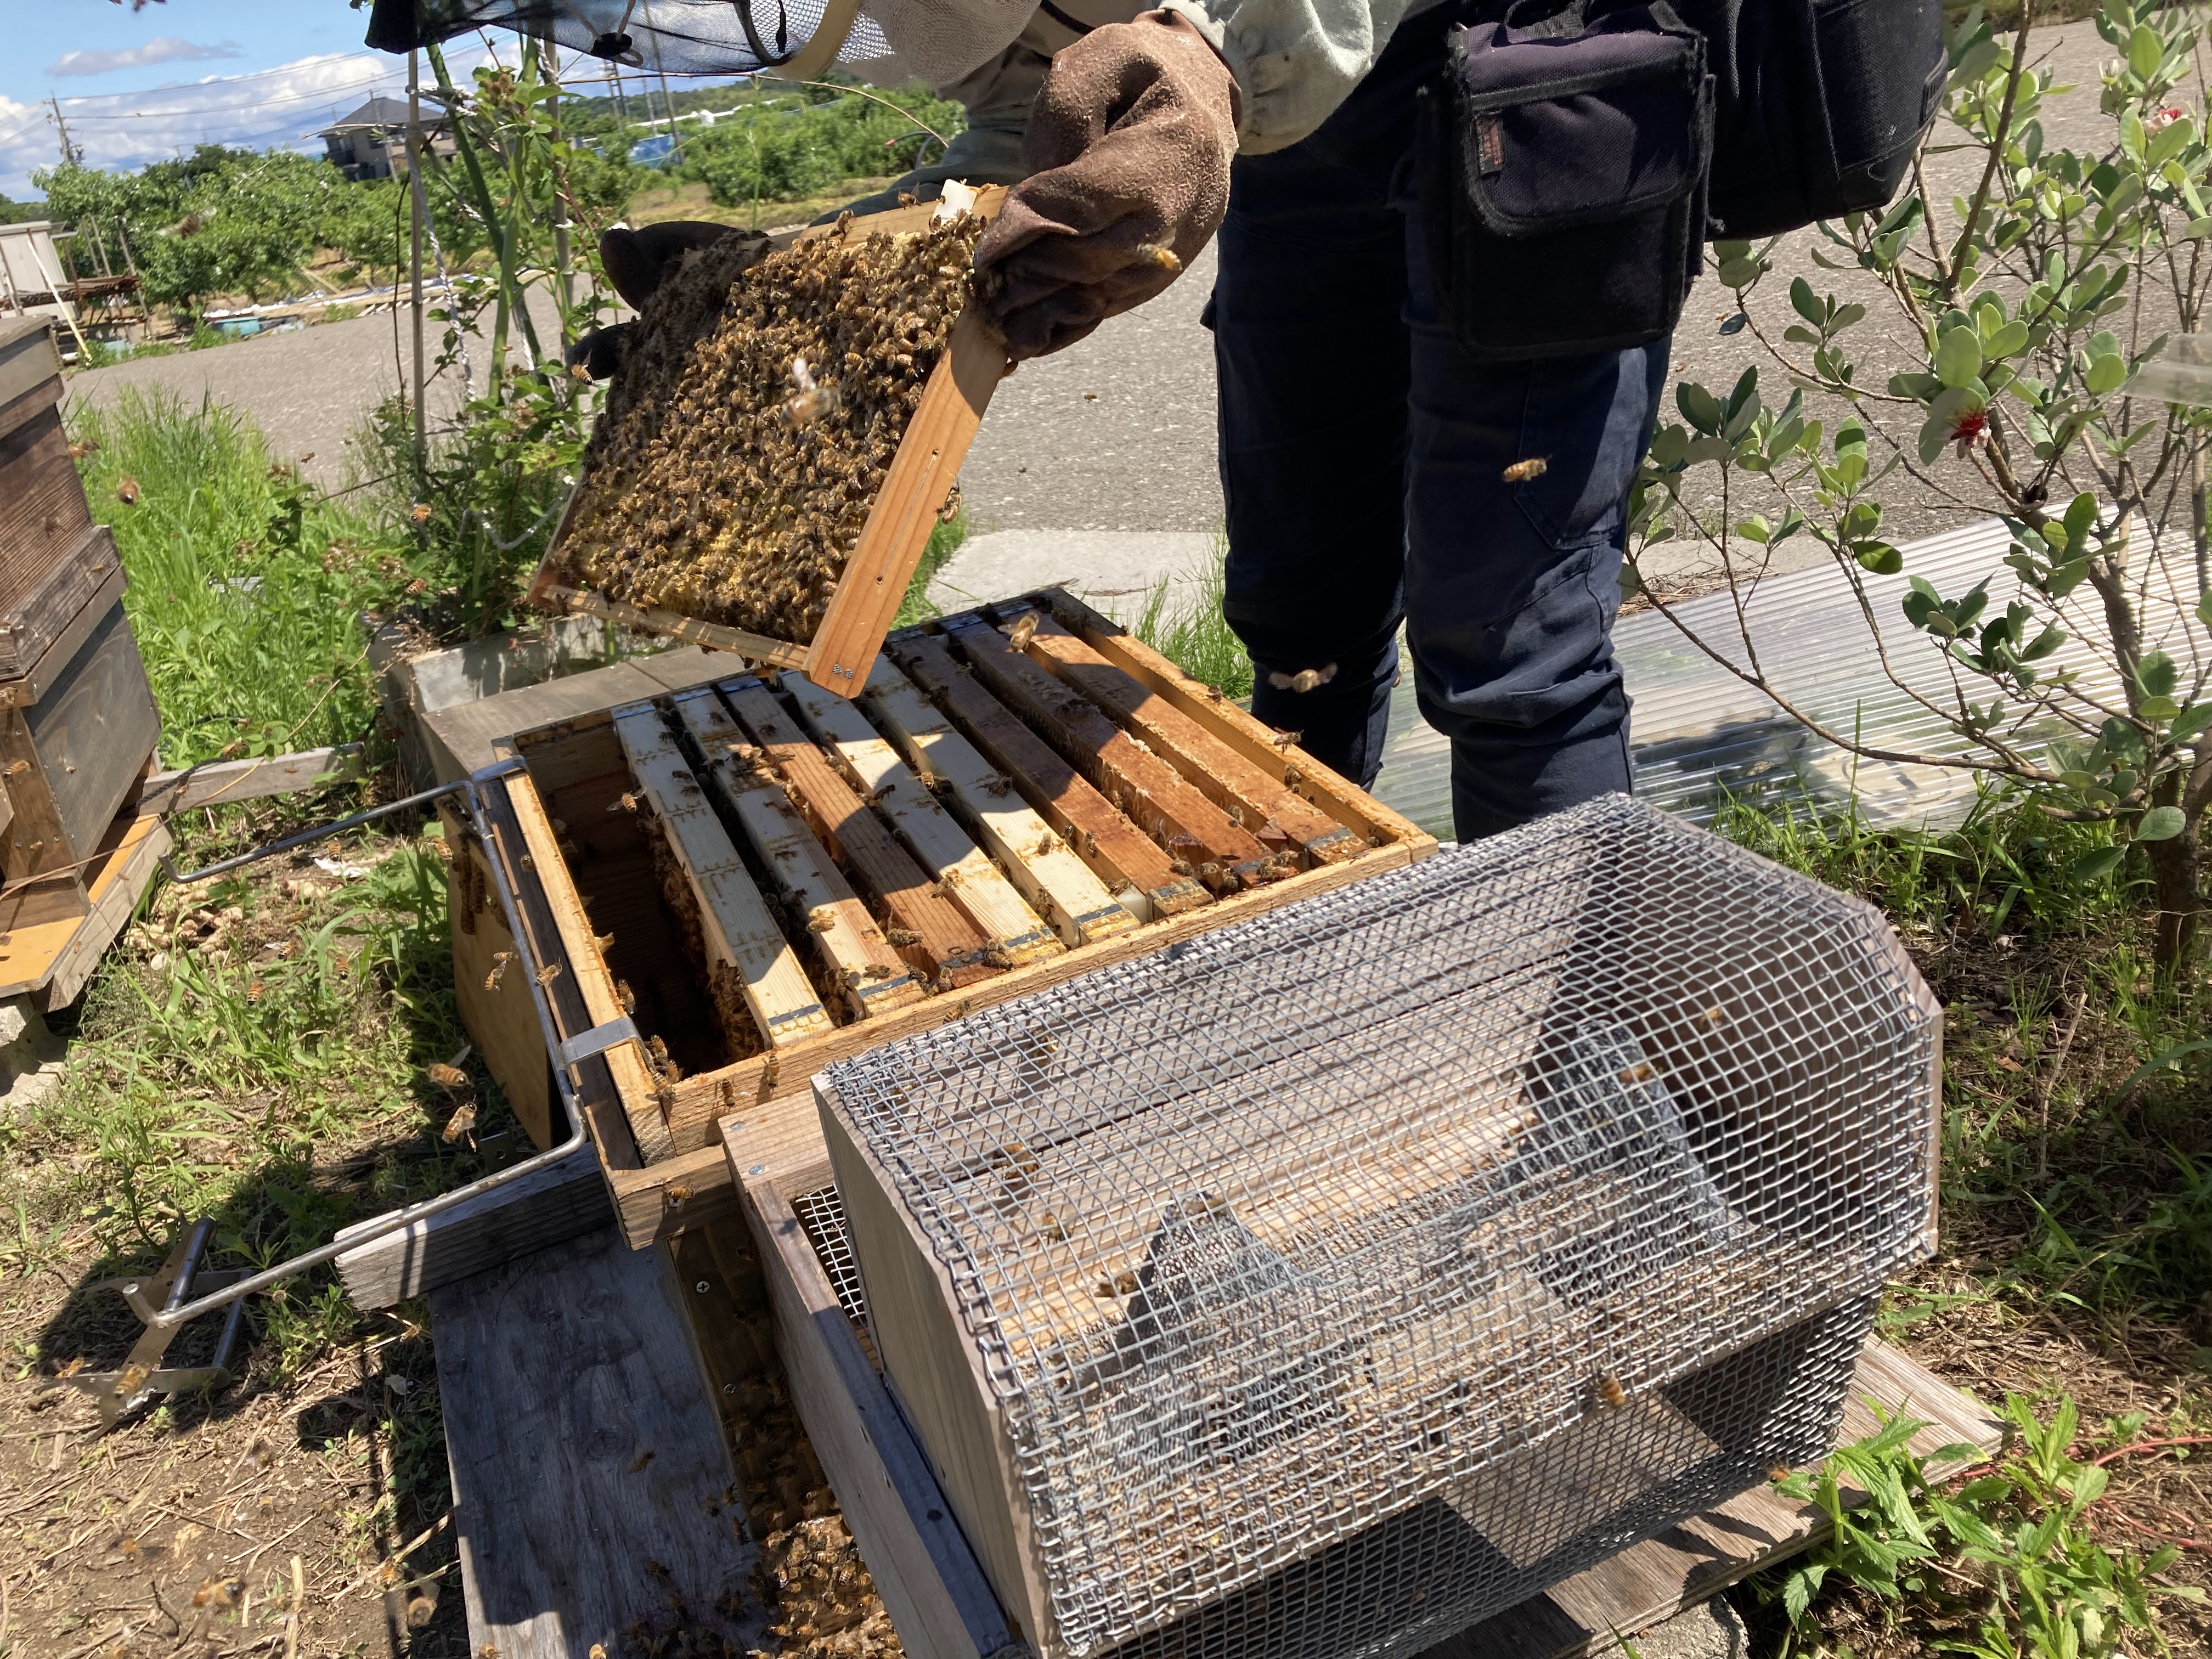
{"x":164,"y":49}
{"x":277,"y":108}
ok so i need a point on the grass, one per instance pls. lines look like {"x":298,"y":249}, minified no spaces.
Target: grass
{"x":2074,"y":1280}
{"x":944,"y":542}
{"x":1193,"y":634}
{"x":245,"y":583}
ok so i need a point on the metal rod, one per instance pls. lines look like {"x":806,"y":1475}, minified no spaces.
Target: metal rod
{"x":564,"y":1079}
{"x":421,"y":212}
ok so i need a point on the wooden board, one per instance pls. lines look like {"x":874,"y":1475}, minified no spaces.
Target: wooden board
{"x":1197,"y":832}
{"x":526,"y":1214}
{"x":43,"y":511}
{"x":219,"y":783}
{"x":1255,"y":796}
{"x":590,"y":1476}
{"x":942,"y":946}
{"x":1275,"y":751}
{"x":55,"y":959}
{"x":855,"y":954}
{"x":586,"y":968}
{"x":1058,"y":885}
{"x":1116,"y":852}
{"x":741,"y":936}
{"x":470,"y":735}
{"x":73,"y":758}
{"x":1008,"y":925}
{"x":937,"y":1596}
{"x":491,"y":991}
{"x":38,"y":606}
{"x":896,"y":531}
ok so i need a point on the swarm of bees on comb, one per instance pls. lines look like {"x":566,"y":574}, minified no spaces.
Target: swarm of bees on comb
{"x":755,"y":418}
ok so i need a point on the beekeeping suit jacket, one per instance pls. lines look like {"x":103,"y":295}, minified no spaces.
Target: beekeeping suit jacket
{"x":1294,"y":60}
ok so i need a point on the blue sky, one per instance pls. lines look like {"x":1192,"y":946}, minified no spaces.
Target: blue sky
{"x":135,"y":85}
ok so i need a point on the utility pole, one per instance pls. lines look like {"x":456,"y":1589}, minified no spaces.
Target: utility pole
{"x":422,"y":213}
{"x":561,"y":214}
{"x":71,"y":155}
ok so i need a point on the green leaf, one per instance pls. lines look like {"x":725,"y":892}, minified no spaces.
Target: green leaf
{"x":1808,"y":307}
{"x":2012,"y":338}
{"x":2145,"y":51}
{"x":2157,"y":674}
{"x":1739,"y":273}
{"x":1880,"y":557}
{"x":2204,"y":608}
{"x":2189,"y":722}
{"x":1958,"y":358}
{"x":1699,"y":406}
{"x":2106,"y":374}
{"x":2158,"y":708}
{"x":2097,"y":863}
{"x":2161,"y":823}
{"x":2080,"y":519}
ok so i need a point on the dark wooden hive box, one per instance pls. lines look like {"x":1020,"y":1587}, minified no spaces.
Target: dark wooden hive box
{"x":77,"y":719}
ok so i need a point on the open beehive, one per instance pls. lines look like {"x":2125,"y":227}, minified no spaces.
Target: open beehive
{"x":1327,"y":1283}
{"x":780,"y":441}
{"x":766,"y":877}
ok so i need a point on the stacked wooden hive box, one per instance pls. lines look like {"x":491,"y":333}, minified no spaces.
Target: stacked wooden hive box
{"x":767,"y":877}
{"x":77,"y":719}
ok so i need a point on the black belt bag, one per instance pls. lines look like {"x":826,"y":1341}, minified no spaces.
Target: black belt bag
{"x":1563,"y":160}
{"x":1822,"y":105}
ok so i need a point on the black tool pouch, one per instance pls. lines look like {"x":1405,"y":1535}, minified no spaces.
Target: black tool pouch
{"x":1821,"y":105}
{"x":1563,"y":160}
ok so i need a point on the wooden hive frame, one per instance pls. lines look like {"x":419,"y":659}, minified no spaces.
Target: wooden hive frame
{"x":950,"y":831}
{"x":892,"y":542}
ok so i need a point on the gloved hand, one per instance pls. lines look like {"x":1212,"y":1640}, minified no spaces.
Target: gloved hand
{"x":1128,"y":147}
{"x":635,"y":262}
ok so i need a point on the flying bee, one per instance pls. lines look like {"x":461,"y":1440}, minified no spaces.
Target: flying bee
{"x":1610,"y":1393}
{"x":499,"y":962}
{"x":1160,"y":258}
{"x":625,"y":802}
{"x":1521,"y":471}
{"x":1636,"y":1074}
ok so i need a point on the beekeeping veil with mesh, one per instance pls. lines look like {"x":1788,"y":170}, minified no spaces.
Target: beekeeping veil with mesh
{"x":1335,"y":1279}
{"x":890,"y":42}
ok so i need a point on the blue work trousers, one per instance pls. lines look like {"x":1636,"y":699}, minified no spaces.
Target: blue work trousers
{"x":1376,"y":474}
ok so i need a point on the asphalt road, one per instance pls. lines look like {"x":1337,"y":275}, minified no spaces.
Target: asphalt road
{"x":1116,"y":433}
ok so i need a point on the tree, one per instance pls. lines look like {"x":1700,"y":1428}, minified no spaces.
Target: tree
{"x":2024,"y":319}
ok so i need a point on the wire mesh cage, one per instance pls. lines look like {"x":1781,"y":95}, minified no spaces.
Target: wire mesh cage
{"x":1329,"y":1282}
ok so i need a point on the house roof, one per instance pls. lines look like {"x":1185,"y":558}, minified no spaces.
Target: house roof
{"x":384,"y":114}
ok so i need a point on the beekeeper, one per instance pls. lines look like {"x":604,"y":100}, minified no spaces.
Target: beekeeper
{"x":1376,"y":474}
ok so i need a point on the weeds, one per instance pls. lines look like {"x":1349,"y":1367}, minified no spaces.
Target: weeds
{"x":245,"y":583}
{"x":1195,"y":636}
{"x":1995,"y":1561}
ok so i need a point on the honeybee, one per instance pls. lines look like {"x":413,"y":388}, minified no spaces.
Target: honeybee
{"x":1521,"y":471}
{"x":902,"y":936}
{"x":446,"y":1076}
{"x":1610,"y":1393}
{"x":500,"y":961}
{"x":1024,"y":630}
{"x":549,"y":973}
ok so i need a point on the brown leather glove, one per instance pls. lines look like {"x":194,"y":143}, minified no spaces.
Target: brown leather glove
{"x":1128,"y":147}
{"x":636,"y":261}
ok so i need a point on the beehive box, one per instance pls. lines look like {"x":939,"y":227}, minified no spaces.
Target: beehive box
{"x":1343,"y":1276}
{"x":749,"y":505}
{"x":766,"y":877}
{"x":54,"y":560}
{"x":77,"y":719}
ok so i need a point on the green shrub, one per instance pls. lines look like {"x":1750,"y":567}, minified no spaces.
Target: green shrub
{"x":785,"y":149}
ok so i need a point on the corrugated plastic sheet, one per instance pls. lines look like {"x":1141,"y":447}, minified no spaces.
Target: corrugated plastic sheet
{"x":1699,"y":733}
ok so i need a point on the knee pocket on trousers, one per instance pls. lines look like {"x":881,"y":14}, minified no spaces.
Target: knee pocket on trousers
{"x":1573,"y":423}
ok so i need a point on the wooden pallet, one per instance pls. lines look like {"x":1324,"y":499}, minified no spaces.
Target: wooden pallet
{"x":887,"y":864}
{"x":891,"y":541}
{"x":938,"y":1595}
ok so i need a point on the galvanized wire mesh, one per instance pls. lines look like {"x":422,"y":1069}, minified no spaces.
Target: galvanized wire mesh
{"x":1349,"y":1274}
